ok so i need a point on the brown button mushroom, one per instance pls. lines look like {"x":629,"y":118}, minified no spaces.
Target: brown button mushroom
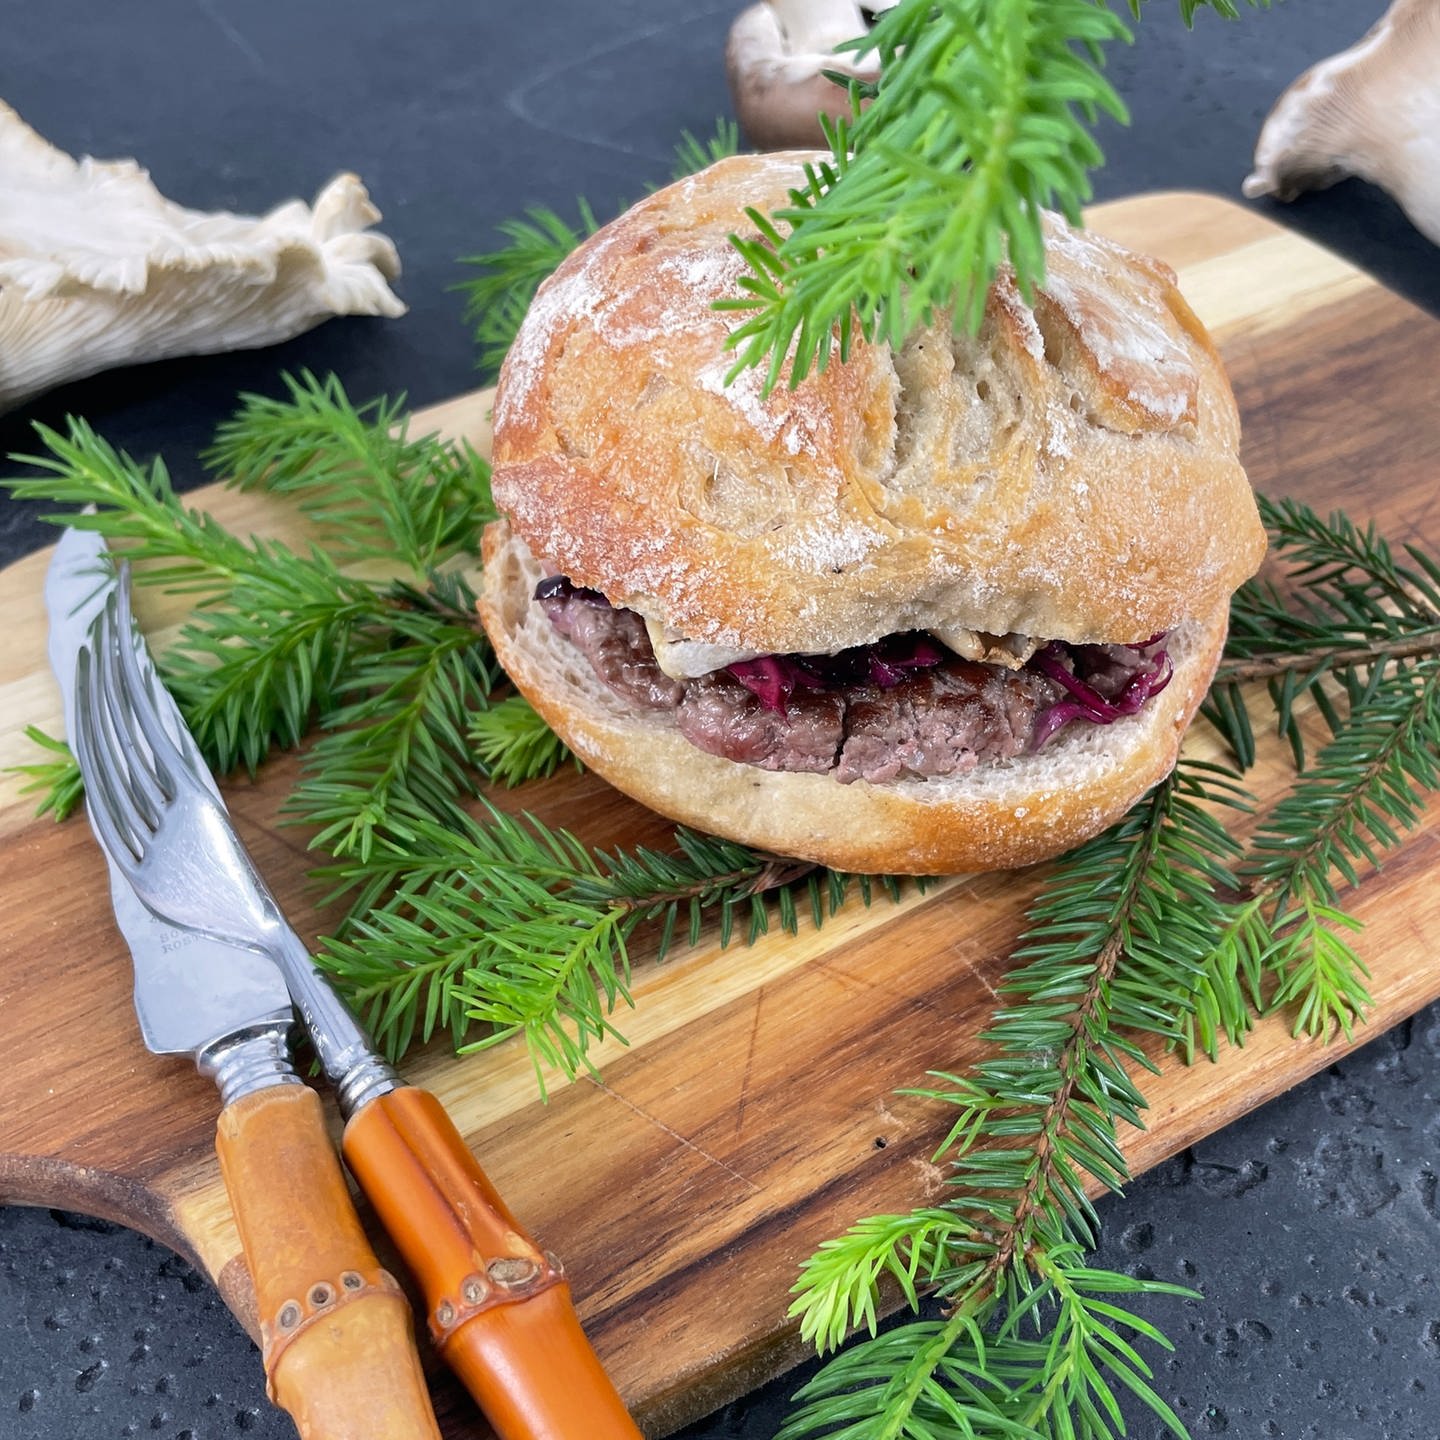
{"x":776,"y":57}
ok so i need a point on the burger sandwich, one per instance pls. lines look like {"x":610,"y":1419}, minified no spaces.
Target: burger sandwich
{"x":943,"y":608}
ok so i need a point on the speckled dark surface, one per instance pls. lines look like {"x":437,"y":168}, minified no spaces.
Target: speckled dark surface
{"x":1311,"y":1226}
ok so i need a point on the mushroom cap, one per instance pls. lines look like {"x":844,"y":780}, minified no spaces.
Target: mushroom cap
{"x":1372,"y":111}
{"x":98,"y":268}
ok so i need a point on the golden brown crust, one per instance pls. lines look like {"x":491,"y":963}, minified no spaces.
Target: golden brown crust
{"x":1070,"y":472}
{"x":995,"y":818}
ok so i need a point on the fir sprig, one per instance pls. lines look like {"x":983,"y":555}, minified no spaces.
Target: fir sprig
{"x":1349,"y":611}
{"x":58,"y":782}
{"x":510,"y":923}
{"x":983,"y":114}
{"x":693,"y":155}
{"x":395,"y":748}
{"x":1355,"y":631}
{"x":373,"y":489}
{"x":273,"y":629}
{"x":486,"y":927}
{"x":1366,"y":788}
{"x":497,"y":297}
{"x":1118,"y":945}
{"x":514,"y":744}
{"x":974,"y":124}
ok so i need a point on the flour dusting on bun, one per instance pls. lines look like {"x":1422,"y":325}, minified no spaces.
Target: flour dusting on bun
{"x":938,"y":609}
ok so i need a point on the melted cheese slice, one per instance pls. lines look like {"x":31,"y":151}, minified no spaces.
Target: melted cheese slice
{"x":683,"y":659}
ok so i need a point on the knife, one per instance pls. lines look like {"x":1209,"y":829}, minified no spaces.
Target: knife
{"x":336,"y":1329}
{"x":499,"y":1307}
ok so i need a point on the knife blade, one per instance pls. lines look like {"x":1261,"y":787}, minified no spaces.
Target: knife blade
{"x":179,"y":1004}
{"x":336,"y":1330}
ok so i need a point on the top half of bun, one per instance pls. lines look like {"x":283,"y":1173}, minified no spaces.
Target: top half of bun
{"x":1069,"y":472}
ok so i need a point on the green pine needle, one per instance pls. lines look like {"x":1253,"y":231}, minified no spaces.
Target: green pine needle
{"x":497,"y":298}
{"x":58,"y":782}
{"x":1348,"y":612}
{"x":514,"y":744}
{"x":1354,"y":632}
{"x":980,"y":118}
{"x":1119,"y":944}
{"x":1226,"y":9}
{"x":372,"y":490}
{"x":693,"y":156}
{"x":521,"y":927}
{"x":1049,"y":1360}
{"x":984,"y":113}
{"x":396,"y":748}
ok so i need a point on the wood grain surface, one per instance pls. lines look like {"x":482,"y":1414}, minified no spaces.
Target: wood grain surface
{"x":754,"y":1112}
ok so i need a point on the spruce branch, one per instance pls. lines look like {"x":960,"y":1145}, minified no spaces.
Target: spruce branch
{"x":1121,"y":943}
{"x":58,"y":782}
{"x":397,"y":749}
{"x":497,"y":298}
{"x":270,"y":648}
{"x":1320,"y":659}
{"x":1350,"y":612}
{"x":977,"y":121}
{"x":1365,"y":789}
{"x":983,"y":114}
{"x":693,"y":156}
{"x":273,"y":628}
{"x":514,"y":744}
{"x":1356,"y":630}
{"x":138,"y":508}
{"x":372,"y":488}
{"x":507,"y":922}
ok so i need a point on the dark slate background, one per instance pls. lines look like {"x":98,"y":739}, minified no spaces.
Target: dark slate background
{"x":1311,"y":1226}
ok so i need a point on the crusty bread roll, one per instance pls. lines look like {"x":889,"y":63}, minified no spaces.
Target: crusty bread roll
{"x":1070,"y":473}
{"x":994,"y":818}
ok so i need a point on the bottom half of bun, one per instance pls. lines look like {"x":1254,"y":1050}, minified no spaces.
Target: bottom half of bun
{"x":994,"y":818}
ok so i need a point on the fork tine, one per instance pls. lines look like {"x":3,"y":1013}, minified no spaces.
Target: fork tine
{"x":171,"y":761}
{"x":106,"y":811}
{"x":136,"y":771}
{"x":120,"y":761}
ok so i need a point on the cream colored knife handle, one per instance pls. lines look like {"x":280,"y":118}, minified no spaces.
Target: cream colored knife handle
{"x":335,"y":1328}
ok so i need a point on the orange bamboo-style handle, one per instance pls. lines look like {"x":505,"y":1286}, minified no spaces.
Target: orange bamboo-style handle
{"x":499,"y":1308}
{"x":335,"y":1328}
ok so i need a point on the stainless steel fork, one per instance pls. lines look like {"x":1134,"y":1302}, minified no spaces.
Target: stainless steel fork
{"x":172,"y":839}
{"x":499,"y":1307}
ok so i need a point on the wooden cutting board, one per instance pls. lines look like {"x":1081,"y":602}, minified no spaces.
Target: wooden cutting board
{"x":755,"y":1111}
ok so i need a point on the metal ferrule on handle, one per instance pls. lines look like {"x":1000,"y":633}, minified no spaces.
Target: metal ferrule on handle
{"x":249,"y":1060}
{"x":499,"y":1308}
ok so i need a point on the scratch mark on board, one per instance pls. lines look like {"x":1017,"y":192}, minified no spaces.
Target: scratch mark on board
{"x":674,"y":1134}
{"x":749,"y":1061}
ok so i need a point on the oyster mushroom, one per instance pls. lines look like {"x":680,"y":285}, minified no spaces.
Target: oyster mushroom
{"x":776,"y":57}
{"x":1372,"y":111}
{"x":98,"y":268}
